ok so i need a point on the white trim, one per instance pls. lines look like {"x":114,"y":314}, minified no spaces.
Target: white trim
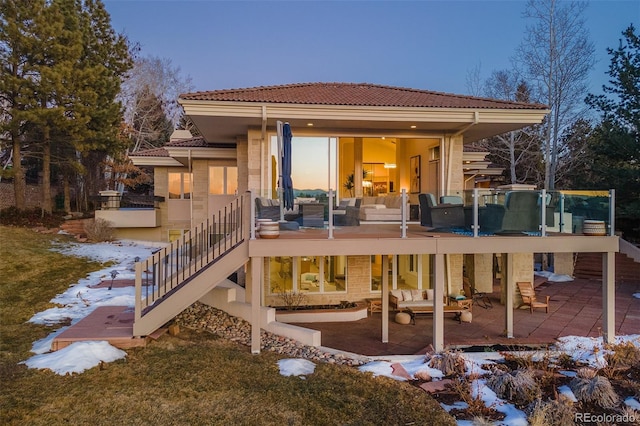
{"x":155,"y":161}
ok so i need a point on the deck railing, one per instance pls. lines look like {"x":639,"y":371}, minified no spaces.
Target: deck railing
{"x":485,"y":212}
{"x":126,"y":201}
{"x":172,"y":266}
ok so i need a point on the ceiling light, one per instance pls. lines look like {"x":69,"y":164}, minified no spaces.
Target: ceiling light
{"x":309,"y":124}
{"x":389,"y":165}
{"x":414,"y":126}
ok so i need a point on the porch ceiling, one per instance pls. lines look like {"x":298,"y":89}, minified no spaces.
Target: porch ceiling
{"x":225,"y":122}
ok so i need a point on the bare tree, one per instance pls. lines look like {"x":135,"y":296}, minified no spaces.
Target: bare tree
{"x":150,"y":96}
{"x":556,"y":55}
{"x":519,"y":150}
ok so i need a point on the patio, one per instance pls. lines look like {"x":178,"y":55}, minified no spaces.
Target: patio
{"x":575,"y":309}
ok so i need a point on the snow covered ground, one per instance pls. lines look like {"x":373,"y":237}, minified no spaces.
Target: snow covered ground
{"x":80,"y":300}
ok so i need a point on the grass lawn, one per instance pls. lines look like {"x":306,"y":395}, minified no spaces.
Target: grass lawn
{"x":193,"y":378}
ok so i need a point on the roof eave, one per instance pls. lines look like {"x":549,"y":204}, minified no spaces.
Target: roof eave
{"x":154,"y":161}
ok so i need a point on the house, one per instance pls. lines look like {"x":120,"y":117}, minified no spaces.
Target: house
{"x":361,"y":141}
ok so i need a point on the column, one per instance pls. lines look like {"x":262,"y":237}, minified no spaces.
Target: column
{"x":510,"y":289}
{"x":438,"y":305}
{"x":608,"y":296}
{"x":385,"y":299}
{"x":255,"y":286}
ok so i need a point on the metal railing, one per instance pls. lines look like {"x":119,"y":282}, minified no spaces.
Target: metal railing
{"x":174,"y":265}
{"x":565,"y":211}
{"x":266,"y":207}
{"x":126,"y":201}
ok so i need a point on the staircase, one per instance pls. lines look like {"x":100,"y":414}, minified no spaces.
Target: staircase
{"x":180,"y":274}
{"x":76,"y":227}
{"x":589,"y":266}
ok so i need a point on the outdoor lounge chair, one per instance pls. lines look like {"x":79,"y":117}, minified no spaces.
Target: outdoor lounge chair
{"x":440,"y":215}
{"x":520,"y":213}
{"x":478,"y":298}
{"x":529,"y":297}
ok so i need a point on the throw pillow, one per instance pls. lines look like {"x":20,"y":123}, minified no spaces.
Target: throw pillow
{"x":416,"y":295}
{"x":397,"y":294}
{"x":406,"y":295}
{"x":430,"y":294}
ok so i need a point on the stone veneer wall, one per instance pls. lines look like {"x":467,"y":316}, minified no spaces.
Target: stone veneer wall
{"x":522,"y":270}
{"x":33,"y":195}
{"x":479,"y":270}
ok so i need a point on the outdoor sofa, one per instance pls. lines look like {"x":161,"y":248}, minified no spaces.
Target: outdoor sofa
{"x":382,"y":208}
{"x":402,"y":299}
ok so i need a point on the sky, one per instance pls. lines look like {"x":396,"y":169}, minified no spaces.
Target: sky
{"x":428,"y":44}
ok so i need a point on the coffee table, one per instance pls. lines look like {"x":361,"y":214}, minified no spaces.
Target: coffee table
{"x":457,"y":309}
{"x":312,"y":214}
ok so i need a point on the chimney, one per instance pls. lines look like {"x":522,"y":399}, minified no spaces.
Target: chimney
{"x":178,"y":135}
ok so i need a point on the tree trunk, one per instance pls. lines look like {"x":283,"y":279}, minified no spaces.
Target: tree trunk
{"x":46,"y":171}
{"x":67,"y":194}
{"x":19,"y":184}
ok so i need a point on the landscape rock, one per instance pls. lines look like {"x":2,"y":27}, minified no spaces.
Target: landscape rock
{"x":203,"y":317}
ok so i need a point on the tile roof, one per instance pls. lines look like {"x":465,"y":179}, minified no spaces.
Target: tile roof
{"x":195,"y":142}
{"x":352,"y":94}
{"x":155,"y":152}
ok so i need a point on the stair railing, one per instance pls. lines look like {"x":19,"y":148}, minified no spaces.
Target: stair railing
{"x":172,"y":266}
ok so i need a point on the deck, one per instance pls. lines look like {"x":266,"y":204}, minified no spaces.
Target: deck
{"x":575,"y":309}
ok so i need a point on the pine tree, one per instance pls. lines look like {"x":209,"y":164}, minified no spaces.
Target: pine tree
{"x":615,"y":144}
{"x":17,"y":80}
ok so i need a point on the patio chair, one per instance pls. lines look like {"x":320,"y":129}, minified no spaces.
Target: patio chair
{"x":529,"y":297}
{"x":440,"y":215}
{"x":478,"y":298}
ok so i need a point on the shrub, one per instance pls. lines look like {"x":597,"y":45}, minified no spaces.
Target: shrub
{"x":450,"y":363}
{"x":555,"y":412}
{"x":291,"y":299}
{"x":476,"y":408}
{"x":30,"y":217}
{"x":517,"y":386}
{"x":625,"y":355}
{"x":597,"y":391}
{"x":99,"y":230}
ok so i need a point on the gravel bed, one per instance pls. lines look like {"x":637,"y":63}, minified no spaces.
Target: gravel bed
{"x":203,"y":317}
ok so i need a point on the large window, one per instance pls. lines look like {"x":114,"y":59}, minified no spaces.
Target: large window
{"x":307,"y":274}
{"x":313,"y":162}
{"x":180,"y":186}
{"x":223,"y":180}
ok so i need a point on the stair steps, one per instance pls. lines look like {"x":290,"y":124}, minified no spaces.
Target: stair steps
{"x":589,"y":266}
{"x":76,"y":227}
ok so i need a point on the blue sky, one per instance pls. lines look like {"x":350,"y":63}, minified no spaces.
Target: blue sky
{"x":429,"y":45}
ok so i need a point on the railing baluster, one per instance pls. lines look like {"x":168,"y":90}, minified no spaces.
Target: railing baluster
{"x":175,"y":263}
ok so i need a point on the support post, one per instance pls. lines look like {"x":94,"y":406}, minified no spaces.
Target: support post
{"x":608,"y":297}
{"x":510,"y":288}
{"x":438,"y":307}
{"x":403,"y":213}
{"x":256,"y":285}
{"x":331,"y":195}
{"x":385,"y":298}
{"x":475,"y":212}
